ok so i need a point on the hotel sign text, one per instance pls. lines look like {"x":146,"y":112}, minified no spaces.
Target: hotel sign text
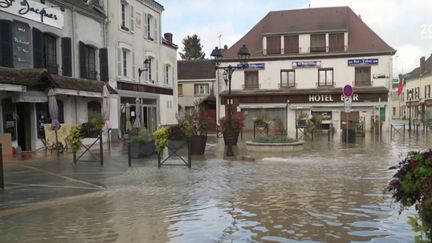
{"x":317,"y":98}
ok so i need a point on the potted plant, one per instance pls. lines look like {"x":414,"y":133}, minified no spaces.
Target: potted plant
{"x":195,"y":129}
{"x":142,"y":144}
{"x":93,"y":127}
{"x":176,"y":137}
{"x":161,"y":139}
{"x":74,"y":140}
{"x":237,"y":126}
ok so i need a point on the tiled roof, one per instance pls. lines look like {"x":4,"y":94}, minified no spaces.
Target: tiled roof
{"x":200,"y":69}
{"x":41,"y":78}
{"x":415,"y":73}
{"x":312,"y":20}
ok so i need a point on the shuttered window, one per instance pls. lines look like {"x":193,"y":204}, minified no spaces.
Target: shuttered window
{"x":6,"y":56}
{"x":318,"y":43}
{"x":66,"y":46}
{"x":251,"y":80}
{"x":50,"y":53}
{"x":336,"y":42}
{"x":362,"y":76}
{"x":291,"y":44}
{"x":87,"y":61}
{"x":325,"y":77}
{"x":273,"y":45}
{"x":103,"y":64}
{"x":38,"y":53}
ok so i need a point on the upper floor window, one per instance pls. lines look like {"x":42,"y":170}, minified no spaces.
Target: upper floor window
{"x":317,"y":43}
{"x":273,"y":45}
{"x":126,"y":63}
{"x":127,"y":16}
{"x":251,"y":80}
{"x":150,"y":27}
{"x":427,"y":93}
{"x":167,"y":73}
{"x":87,"y":61}
{"x":336,"y":42}
{"x":287,"y":78}
{"x":363,"y":76}
{"x":325,"y":77}
{"x":291,"y":44}
{"x":201,"y":89}
{"x":152,"y":70}
{"x":180,"y":89}
{"x":50,"y":53}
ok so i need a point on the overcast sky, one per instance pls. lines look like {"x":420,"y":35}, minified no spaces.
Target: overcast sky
{"x":404,"y":25}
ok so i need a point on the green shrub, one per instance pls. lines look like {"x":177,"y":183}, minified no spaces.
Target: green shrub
{"x":161,"y":136}
{"x":273,"y":139}
{"x":143,"y":136}
{"x":74,"y":138}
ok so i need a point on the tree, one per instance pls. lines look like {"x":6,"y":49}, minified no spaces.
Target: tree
{"x":192,"y":48}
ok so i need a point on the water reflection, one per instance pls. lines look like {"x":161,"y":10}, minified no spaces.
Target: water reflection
{"x":331,"y":193}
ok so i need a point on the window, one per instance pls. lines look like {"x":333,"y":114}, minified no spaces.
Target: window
{"x":126,"y":63}
{"x":189,"y":110}
{"x":167,"y":70}
{"x":427,"y":91}
{"x":325,"y":77}
{"x":123,"y":16}
{"x":362,"y":76}
{"x":50,"y":53}
{"x":180,"y":89}
{"x":417,"y":93}
{"x":201,"y":89}
{"x":124,"y":60}
{"x":127,"y":16}
{"x":318,"y":43}
{"x":287,"y":78}
{"x":336,"y":42}
{"x":273,"y":45}
{"x":291,"y":44}
{"x":87,"y":61}
{"x":150,"y":27}
{"x":152,"y":69}
{"x":251,"y":80}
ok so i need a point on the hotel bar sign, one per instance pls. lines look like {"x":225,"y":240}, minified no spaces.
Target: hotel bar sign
{"x":370,"y":61}
{"x":35,"y":11}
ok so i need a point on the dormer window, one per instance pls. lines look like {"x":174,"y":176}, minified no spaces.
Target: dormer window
{"x":336,"y":42}
{"x":291,"y":44}
{"x":318,"y":43}
{"x":273,"y":45}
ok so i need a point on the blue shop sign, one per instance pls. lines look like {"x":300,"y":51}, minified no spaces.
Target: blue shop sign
{"x":251,"y":66}
{"x":306,"y":64}
{"x":370,"y":61}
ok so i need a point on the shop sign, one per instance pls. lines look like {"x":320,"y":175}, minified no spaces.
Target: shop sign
{"x":367,"y":61}
{"x":251,"y":66}
{"x":306,"y":64}
{"x":34,"y":11}
{"x":22,"y":45}
{"x":317,"y":98}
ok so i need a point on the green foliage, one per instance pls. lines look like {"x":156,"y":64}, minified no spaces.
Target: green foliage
{"x":273,"y":139}
{"x":192,"y":49}
{"x":74,"y":138}
{"x":196,"y":124}
{"x":161,"y":136}
{"x":412,"y":186}
{"x":237,"y":122}
{"x":143,"y":136}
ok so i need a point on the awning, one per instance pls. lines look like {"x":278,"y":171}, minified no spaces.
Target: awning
{"x":30,"y":97}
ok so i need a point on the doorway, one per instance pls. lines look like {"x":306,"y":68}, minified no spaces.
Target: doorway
{"x":24,"y":126}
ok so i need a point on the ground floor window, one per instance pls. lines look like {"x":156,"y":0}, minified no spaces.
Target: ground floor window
{"x":138,"y":108}
{"x":9,"y":118}
{"x":43,"y":116}
{"x":94,"y":110}
{"x":272,"y":115}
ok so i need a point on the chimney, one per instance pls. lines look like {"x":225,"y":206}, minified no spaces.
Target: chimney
{"x":422,"y":66}
{"x":168,"y":37}
{"x":225,"y":47}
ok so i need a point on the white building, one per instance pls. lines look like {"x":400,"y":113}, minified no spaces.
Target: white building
{"x":301,"y":59}
{"x":134,"y":39}
{"x":64,"y":49}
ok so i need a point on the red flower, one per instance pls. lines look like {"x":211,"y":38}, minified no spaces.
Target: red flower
{"x":413,"y":164}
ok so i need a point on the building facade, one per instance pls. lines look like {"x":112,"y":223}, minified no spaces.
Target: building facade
{"x":44,"y":45}
{"x":143,"y":65}
{"x":197,"y":87}
{"x":297,"y":71}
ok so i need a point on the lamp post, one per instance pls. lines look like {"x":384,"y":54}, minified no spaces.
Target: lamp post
{"x":409,"y":115}
{"x":243,"y":56}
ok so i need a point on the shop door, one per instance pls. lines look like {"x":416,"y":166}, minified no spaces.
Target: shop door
{"x":211,"y":114}
{"x":24,"y":126}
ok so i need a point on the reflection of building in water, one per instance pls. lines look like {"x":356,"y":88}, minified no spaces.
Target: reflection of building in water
{"x":298,"y":70}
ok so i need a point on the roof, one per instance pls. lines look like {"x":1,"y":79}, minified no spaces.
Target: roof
{"x":41,"y":78}
{"x":93,"y":8}
{"x":313,"y":20}
{"x":199,"y":69}
{"x":415,"y":73}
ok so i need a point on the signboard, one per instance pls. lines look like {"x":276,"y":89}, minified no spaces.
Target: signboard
{"x":22,"y":45}
{"x":35,"y":11}
{"x":368,"y":61}
{"x":306,"y":64}
{"x":251,"y":66}
{"x":317,"y":98}
{"x":347,"y":90}
{"x":347,"y":104}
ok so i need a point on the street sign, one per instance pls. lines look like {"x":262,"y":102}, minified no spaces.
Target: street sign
{"x":347,"y":90}
{"x":348,"y":104}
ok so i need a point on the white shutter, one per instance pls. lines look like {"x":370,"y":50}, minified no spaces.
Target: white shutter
{"x":163,"y":73}
{"x":133,"y":65}
{"x":172,"y":77}
{"x":146,"y":26}
{"x":132,"y":25}
{"x":155,"y":30}
{"x":157,"y":71}
{"x":119,"y":62}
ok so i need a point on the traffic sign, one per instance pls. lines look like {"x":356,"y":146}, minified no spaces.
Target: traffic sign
{"x":347,"y":103}
{"x":347,"y":90}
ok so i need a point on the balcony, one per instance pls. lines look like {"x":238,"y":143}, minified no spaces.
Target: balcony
{"x":251,"y":86}
{"x":287,"y":85}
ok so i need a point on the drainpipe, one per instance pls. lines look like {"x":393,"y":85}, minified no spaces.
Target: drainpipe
{"x":73,"y":42}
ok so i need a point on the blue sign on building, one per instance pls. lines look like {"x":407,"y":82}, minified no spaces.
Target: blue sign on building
{"x":251,"y":66}
{"x":370,"y":61}
{"x":306,"y":64}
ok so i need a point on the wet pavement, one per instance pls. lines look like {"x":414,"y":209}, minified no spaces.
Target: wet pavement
{"x":330,"y":192}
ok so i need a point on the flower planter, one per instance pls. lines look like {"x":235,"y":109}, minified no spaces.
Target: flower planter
{"x":174,"y":145}
{"x":235,"y":138}
{"x":141,"y":150}
{"x":198,"y":144}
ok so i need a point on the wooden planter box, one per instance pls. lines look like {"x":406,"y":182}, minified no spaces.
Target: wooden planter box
{"x":198,"y":144}
{"x":235,"y":138}
{"x":141,"y":150}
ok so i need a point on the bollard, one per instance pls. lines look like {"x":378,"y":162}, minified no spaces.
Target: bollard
{"x":129,"y":154}
{"x":101,"y":150}
{"x":1,"y":168}
{"x":159,"y":160}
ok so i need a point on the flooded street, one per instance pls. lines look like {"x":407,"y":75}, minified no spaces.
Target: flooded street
{"x":327,"y":193}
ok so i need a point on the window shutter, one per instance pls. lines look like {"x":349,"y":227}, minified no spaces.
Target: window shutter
{"x":164,"y":74}
{"x":37,"y":48}
{"x":119,"y":62}
{"x":155,"y":30}
{"x":146,"y":26}
{"x":82,"y":60}
{"x":132,"y":27}
{"x":66,"y":49}
{"x":103,"y":64}
{"x":133,"y":65}
{"x":6,"y":55}
{"x":172,"y":76}
{"x":157,"y":70}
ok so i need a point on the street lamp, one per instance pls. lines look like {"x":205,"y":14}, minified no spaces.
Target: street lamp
{"x":410,"y":104}
{"x":243,"y":56}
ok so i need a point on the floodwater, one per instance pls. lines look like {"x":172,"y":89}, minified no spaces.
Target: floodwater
{"x":330,"y":192}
